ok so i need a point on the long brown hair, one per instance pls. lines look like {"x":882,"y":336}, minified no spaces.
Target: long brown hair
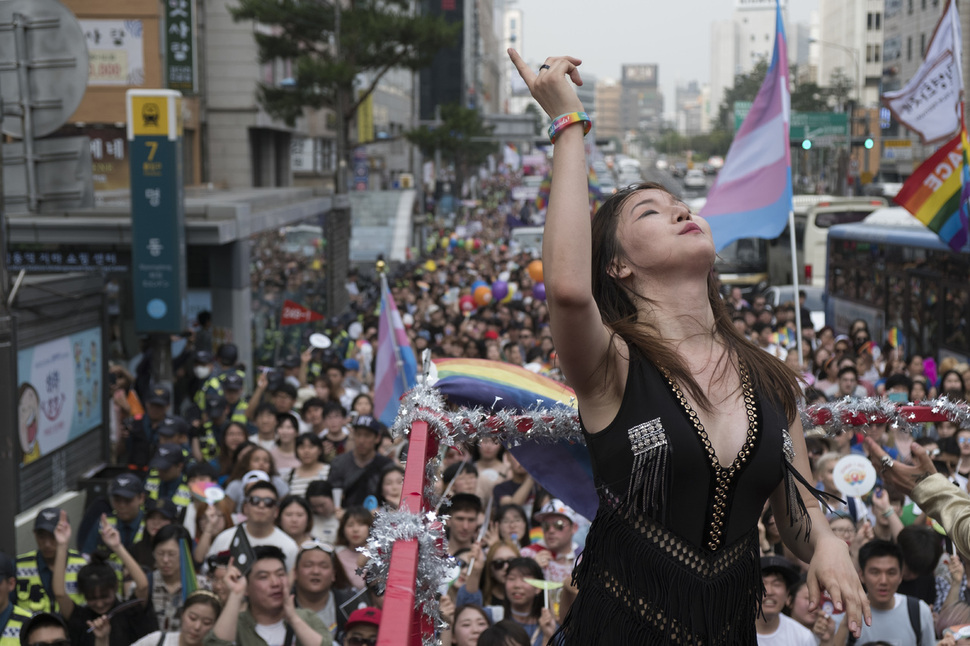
{"x":618,"y":311}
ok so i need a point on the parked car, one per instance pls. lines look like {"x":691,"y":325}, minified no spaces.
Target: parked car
{"x":679,"y":170}
{"x":695,"y":179}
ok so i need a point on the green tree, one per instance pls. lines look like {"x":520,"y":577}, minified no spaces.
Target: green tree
{"x":745,"y":88}
{"x":841,"y":86}
{"x":462,"y":138}
{"x":331,"y":45}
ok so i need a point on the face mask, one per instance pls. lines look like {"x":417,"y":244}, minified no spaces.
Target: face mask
{"x":202,"y":371}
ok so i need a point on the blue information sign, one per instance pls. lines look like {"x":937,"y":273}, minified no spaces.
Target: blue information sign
{"x":157,"y":210}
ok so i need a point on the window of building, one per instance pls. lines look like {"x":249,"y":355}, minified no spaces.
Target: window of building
{"x":922,"y":45}
{"x":909,"y":6}
{"x":876,"y":52}
{"x":909,"y":48}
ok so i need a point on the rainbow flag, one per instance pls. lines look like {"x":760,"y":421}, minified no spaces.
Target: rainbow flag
{"x":937,"y":192}
{"x":894,"y":339}
{"x":542,"y":199}
{"x":535,"y":535}
{"x":564,"y":468}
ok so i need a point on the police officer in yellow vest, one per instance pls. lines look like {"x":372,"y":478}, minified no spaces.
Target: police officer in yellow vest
{"x":34,"y":573}
{"x":167,"y":480}
{"x":214,"y":425}
{"x":232,"y":387}
{"x":12,"y":617}
{"x":127,"y":496}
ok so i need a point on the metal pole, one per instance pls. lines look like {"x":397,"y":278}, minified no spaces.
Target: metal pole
{"x":20,"y":40}
{"x":794,"y":282}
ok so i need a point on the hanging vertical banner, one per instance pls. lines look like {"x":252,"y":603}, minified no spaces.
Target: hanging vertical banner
{"x":157,"y":210}
{"x":180,"y":53}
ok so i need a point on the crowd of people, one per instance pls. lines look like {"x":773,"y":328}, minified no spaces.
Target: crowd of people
{"x":237,"y":517}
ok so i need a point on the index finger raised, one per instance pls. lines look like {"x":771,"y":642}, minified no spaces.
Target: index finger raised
{"x":524,"y":70}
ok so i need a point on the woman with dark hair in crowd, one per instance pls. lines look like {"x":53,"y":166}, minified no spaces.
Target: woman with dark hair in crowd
{"x":233,"y":437}
{"x":309,"y":451}
{"x":352,"y":533}
{"x":676,"y":405}
{"x":295,"y":518}
{"x":391,"y":487}
{"x":284,"y":453}
{"x":98,"y":583}
{"x":196,"y":618}
{"x":166,"y":579}
{"x":524,"y":603}
{"x":513,"y":525}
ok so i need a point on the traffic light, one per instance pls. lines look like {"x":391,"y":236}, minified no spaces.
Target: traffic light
{"x":806,"y":144}
{"x":868,"y":143}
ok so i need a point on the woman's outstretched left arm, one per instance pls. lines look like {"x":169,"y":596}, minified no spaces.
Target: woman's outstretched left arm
{"x":830,"y":567}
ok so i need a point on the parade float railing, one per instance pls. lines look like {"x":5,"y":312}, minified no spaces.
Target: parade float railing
{"x":408,"y":552}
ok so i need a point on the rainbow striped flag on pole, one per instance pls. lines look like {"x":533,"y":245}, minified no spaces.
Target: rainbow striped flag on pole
{"x":937,"y":192}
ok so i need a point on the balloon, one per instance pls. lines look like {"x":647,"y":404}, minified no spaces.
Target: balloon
{"x":460,"y":243}
{"x":499,"y":289}
{"x":483,"y":295}
{"x":470,"y":244}
{"x":466,"y":304}
{"x":445,"y":243}
{"x":535,"y":270}
{"x":478,"y":244}
{"x":431,"y":265}
{"x":539,"y":291}
{"x":477,"y":284}
{"x":513,"y":288}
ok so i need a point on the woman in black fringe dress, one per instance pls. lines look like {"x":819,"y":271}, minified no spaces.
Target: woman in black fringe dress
{"x":691,"y":427}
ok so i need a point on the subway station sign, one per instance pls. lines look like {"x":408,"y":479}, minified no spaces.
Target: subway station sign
{"x":157,"y":210}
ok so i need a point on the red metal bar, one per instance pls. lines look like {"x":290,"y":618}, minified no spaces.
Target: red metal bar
{"x":401,"y":623}
{"x":917,"y":414}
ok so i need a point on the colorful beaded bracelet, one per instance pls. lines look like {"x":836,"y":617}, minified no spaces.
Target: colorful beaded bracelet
{"x":562,"y":122}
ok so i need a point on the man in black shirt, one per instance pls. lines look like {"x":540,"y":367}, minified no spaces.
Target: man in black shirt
{"x":358,"y":473}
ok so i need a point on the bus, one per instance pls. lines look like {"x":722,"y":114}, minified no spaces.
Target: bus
{"x":894,"y":273}
{"x":814,"y":214}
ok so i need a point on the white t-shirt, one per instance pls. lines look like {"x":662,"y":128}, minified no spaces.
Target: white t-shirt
{"x":277,"y":538}
{"x":151,"y":639}
{"x":272,"y":634}
{"x":789,"y":633}
{"x":893,"y":626}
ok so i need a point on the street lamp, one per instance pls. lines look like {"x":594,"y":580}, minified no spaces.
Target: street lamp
{"x":853,"y":52}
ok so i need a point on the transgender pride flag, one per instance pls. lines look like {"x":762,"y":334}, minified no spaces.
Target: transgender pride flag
{"x":753,"y":192}
{"x":396,"y":369}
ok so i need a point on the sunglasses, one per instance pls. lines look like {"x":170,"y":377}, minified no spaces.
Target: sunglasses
{"x":963,"y":440}
{"x":56,"y":642}
{"x":500,"y":564}
{"x":360,"y":641}
{"x":316,"y":545}
{"x":257,"y":501}
{"x":558,"y":525}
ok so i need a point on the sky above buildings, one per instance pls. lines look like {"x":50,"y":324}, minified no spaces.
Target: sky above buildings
{"x":607,"y":33}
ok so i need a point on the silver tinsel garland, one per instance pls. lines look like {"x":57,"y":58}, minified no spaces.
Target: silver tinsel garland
{"x":871,"y":409}
{"x":433,"y":559}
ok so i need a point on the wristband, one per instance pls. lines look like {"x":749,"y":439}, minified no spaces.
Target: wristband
{"x":889,"y":512}
{"x":563,"y":121}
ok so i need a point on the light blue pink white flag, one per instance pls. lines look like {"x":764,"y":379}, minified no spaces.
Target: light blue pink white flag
{"x":396,"y":369}
{"x":753,"y":192}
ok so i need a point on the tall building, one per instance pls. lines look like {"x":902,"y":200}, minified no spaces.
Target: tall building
{"x":641,"y":101}
{"x":607,"y":108}
{"x":512,"y":31}
{"x":748,"y":37}
{"x":688,"y":105}
{"x":851,"y":39}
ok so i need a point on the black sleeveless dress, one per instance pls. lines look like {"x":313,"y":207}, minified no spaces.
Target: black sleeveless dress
{"x":672,"y":555}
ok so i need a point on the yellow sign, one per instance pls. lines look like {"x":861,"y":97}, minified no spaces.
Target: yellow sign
{"x":365,"y":120}
{"x":150,"y":115}
{"x":897,"y":143}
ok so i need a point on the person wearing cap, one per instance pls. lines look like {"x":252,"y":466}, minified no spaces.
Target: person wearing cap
{"x":203,"y":365}
{"x":774,"y":627}
{"x":294,"y":369}
{"x":12,"y":617}
{"x":358,"y":472}
{"x":362,"y":627}
{"x":142,"y":432}
{"x":320,"y":584}
{"x":205,"y":445}
{"x":232,"y":387}
{"x":166,"y":479}
{"x":352,"y":376}
{"x":34,"y":568}
{"x":271,"y":616}
{"x":45,"y":629}
{"x":556,"y":552}
{"x":126,"y":493}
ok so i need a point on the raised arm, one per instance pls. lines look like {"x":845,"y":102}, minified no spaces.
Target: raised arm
{"x":62,"y":534}
{"x":582,"y":341}
{"x":830,"y":567}
{"x":112,"y":539}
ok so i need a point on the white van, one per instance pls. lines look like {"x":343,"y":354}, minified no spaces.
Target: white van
{"x":526,"y":239}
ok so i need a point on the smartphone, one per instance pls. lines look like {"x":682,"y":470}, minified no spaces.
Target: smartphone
{"x":899,"y":398}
